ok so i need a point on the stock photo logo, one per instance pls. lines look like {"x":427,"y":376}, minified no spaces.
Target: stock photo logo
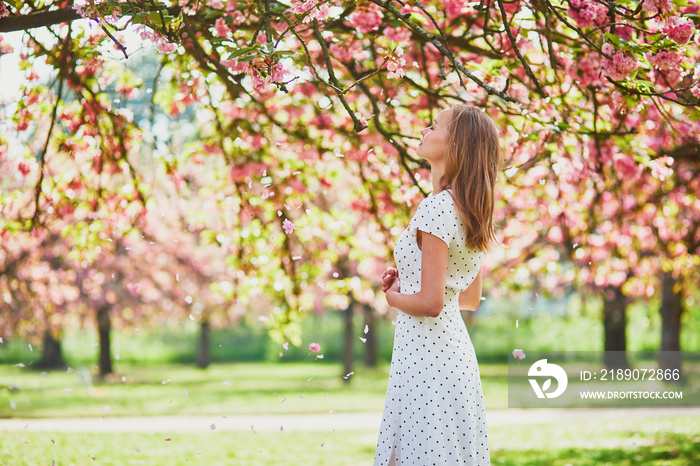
{"x":543,"y":369}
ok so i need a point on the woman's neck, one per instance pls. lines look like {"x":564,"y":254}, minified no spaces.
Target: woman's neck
{"x":436,"y":172}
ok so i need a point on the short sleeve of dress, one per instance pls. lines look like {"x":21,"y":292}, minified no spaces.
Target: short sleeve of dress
{"x":436,"y":215}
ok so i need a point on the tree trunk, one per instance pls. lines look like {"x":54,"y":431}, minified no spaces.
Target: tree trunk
{"x":370,"y":354}
{"x":671,"y":312}
{"x":51,"y":357}
{"x":348,"y":356}
{"x":615,"y":323}
{"x":104,"y":328}
{"x":203,"y":353}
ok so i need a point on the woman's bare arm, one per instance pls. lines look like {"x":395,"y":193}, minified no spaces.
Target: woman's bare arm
{"x":430,"y":300}
{"x":470,"y":298}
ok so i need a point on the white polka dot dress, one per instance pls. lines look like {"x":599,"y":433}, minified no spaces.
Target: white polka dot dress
{"x":434,"y":412}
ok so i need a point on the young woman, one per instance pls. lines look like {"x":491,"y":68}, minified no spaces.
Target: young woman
{"x":434,"y":411}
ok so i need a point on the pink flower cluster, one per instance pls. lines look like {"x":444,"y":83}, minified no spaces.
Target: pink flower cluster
{"x":288,"y":227}
{"x":455,"y":8}
{"x":366,"y":18}
{"x":315,"y":347}
{"x":586,"y":69}
{"x":316,"y":11}
{"x":588,"y":13}
{"x":620,"y":65}
{"x":162,"y":42}
{"x":395,"y":64}
{"x":680,"y":30}
{"x":661,"y":168}
{"x":3,"y":10}
{"x":666,"y":59}
{"x":661,"y":7}
{"x":221,"y":28}
{"x":5,"y":47}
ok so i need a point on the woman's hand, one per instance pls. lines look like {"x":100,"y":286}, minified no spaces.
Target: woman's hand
{"x":389,"y":277}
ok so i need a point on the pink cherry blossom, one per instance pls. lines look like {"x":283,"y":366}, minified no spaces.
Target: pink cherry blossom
{"x":455,"y":8}
{"x":654,"y":7}
{"x":620,"y":66}
{"x":24,"y":168}
{"x":315,"y":347}
{"x":312,"y":7}
{"x":588,"y":13}
{"x":166,"y":47}
{"x":679,"y":30}
{"x":3,"y":10}
{"x":587,"y":70}
{"x":397,"y":34}
{"x":696,"y":91}
{"x":395,"y":64}
{"x":518,"y":354}
{"x":366,"y":18}
{"x":666,"y":59}
{"x":221,"y":28}
{"x":288,"y":226}
{"x":661,"y":168}
{"x":278,"y":72}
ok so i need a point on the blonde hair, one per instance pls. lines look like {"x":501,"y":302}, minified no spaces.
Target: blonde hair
{"x":473,"y":160}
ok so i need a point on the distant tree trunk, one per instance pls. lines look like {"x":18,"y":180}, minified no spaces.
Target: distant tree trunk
{"x":348,"y":356}
{"x":615,"y":324}
{"x":51,"y":357}
{"x":370,"y":354}
{"x":203,"y":353}
{"x":104,"y":328}
{"x":671,"y":312}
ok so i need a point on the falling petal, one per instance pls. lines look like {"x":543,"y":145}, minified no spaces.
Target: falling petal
{"x":226,"y":384}
{"x":283,"y":401}
{"x":309,"y":379}
{"x":281,"y":429}
{"x":285,"y":345}
{"x":69,"y":370}
{"x":213,"y":426}
{"x":13,"y":405}
{"x":363,"y":340}
{"x":326,"y":396}
{"x":188,"y":299}
{"x":137,"y":450}
{"x":186,"y":393}
{"x":123,"y":378}
{"x":105,"y":410}
{"x":510,"y":171}
{"x":19,"y":365}
{"x":167,"y":439}
{"x":366,"y":329}
{"x":296,"y":258}
{"x":279,"y":213}
{"x":516,"y":324}
{"x":67,"y":390}
{"x":251,"y":428}
{"x":320,"y":356}
{"x":30,"y":348}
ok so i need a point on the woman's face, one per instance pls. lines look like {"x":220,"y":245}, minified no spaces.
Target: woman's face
{"x":434,"y":142}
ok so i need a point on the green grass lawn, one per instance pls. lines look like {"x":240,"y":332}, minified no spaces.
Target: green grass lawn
{"x":240,"y":388}
{"x":650,"y":441}
{"x":264,"y":388}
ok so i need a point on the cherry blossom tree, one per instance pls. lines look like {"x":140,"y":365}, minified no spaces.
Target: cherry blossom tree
{"x":314,"y":107}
